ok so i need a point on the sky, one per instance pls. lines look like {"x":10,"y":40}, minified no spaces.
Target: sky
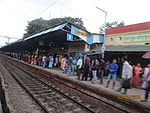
{"x":15,"y":14}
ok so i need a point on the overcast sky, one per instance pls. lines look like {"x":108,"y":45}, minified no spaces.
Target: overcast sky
{"x":14,"y":14}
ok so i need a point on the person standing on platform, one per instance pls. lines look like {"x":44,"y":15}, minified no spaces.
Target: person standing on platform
{"x":107,"y":68}
{"x":126,"y":76}
{"x":47,"y":61}
{"x":66,"y":65}
{"x":86,"y":68}
{"x":59,"y":60}
{"x":90,"y":69}
{"x":50,"y":62}
{"x":146,"y":83}
{"x":36,"y":60}
{"x":32,"y":59}
{"x":73,"y":65}
{"x":79,"y":66}
{"x":56,"y":61}
{"x":29,"y":59}
{"x":113,"y":68}
{"x":63,"y":63}
{"x":137,"y":71}
{"x":94,"y":71}
{"x":70,"y":60}
{"x":40,"y":60}
{"x":44,"y":61}
{"x":102,"y":67}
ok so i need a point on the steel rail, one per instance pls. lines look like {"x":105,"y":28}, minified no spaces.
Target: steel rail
{"x":118,"y":108}
{"x":24,"y":87}
{"x":137,"y":109}
{"x":86,"y":108}
{"x":107,"y":103}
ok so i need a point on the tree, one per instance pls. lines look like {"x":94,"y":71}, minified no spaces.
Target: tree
{"x":39,"y":24}
{"x":35,"y":26}
{"x":77,"y":21}
{"x":111,"y":25}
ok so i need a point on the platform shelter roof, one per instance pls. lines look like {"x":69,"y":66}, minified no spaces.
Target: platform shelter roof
{"x":60,"y":33}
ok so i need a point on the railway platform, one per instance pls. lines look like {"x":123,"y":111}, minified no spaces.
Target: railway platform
{"x":129,"y":102}
{"x":134,"y":94}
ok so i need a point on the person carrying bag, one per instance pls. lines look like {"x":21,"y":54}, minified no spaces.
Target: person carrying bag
{"x":126,"y":83}
{"x":126,"y":76}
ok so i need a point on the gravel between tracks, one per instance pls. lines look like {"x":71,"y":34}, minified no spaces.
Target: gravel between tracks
{"x":57,"y":105}
{"x":18,"y":72}
{"x":19,"y":100}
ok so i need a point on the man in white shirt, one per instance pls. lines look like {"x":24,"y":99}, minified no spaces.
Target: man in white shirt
{"x":44,"y":61}
{"x":126,"y":76}
{"x":79,"y":66}
{"x":127,"y":70}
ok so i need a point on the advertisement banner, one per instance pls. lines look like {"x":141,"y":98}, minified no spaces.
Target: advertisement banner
{"x":80,"y":33}
{"x":87,"y":37}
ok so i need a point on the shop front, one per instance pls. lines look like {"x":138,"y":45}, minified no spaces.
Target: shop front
{"x":130,"y":41}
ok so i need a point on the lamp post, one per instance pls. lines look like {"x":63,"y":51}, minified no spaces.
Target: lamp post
{"x":103,"y":46}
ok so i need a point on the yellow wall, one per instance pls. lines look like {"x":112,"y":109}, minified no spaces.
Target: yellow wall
{"x":130,"y":38}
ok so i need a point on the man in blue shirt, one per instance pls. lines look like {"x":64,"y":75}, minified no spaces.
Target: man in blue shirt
{"x":113,"y":68}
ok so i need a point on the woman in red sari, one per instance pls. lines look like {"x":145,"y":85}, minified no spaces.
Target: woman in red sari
{"x":137,"y":70}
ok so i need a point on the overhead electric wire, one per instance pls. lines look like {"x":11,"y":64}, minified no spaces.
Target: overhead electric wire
{"x":48,"y":7}
{"x":39,"y":10}
{"x":42,"y":9}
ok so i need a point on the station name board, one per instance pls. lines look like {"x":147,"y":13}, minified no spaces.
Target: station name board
{"x":136,"y":38}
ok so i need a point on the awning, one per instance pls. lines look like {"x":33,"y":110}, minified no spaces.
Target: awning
{"x":47,"y":31}
{"x":57,"y":34}
{"x":146,"y":55}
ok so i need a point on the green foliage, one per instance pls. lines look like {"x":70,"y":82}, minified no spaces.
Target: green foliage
{"x":39,"y":24}
{"x":111,"y":25}
{"x":34,"y":26}
{"x":114,"y":24}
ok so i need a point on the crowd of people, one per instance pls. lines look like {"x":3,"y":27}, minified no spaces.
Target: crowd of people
{"x":95,"y":69}
{"x":42,"y":60}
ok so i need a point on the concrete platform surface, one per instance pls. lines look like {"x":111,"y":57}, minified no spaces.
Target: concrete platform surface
{"x":134,"y":94}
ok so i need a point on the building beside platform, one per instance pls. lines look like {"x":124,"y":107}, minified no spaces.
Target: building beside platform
{"x":131,"y":41}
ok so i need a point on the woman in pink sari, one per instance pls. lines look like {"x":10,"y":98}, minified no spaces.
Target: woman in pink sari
{"x":137,"y":70}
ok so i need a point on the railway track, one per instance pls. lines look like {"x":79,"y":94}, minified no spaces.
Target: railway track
{"x":42,"y":88}
{"x":49,"y":98}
